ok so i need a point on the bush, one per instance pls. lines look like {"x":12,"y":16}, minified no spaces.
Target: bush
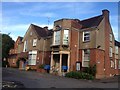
{"x":90,"y":70}
{"x":41,"y":66}
{"x":79,"y":75}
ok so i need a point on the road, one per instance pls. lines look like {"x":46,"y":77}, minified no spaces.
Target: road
{"x":32,"y":79}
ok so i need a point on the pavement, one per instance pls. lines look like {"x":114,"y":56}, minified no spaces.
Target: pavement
{"x":32,"y":79}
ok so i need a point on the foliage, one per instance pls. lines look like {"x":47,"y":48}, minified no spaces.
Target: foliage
{"x":79,"y":75}
{"x":41,"y":66}
{"x":17,"y":63}
{"x":7,"y":44}
{"x":90,"y":70}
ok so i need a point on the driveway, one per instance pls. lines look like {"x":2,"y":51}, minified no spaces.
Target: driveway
{"x":32,"y":79}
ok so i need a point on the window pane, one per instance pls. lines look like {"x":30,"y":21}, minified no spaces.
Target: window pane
{"x":86,"y":58}
{"x":66,"y":37}
{"x":86,"y":36}
{"x":34,"y":42}
{"x":57,"y":37}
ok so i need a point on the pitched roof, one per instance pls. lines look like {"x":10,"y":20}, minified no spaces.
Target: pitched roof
{"x":41,"y":32}
{"x":91,"y":22}
{"x":117,"y":43}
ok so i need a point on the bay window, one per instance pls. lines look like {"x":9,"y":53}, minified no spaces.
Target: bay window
{"x":56,"y":38}
{"x":66,"y":37}
{"x":86,"y":57}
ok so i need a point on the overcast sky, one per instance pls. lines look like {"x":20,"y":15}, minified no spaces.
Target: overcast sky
{"x":17,"y":16}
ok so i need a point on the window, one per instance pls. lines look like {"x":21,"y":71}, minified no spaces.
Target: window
{"x":34,"y":42}
{"x":86,"y":36}
{"x":86,"y":58}
{"x":57,"y":37}
{"x":118,"y":64}
{"x":25,"y":46}
{"x":65,"y":37}
{"x":110,"y":51}
{"x":110,"y":37}
{"x":116,"y":49}
{"x":115,"y":64}
{"x":30,"y":33}
{"x":32,"y":58}
{"x":112,"y":64}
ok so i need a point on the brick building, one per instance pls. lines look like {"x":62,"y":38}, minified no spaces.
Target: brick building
{"x":89,"y":42}
{"x":72,"y":45}
{"x":13,"y":53}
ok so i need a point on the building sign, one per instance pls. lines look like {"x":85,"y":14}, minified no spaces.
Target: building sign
{"x":78,"y":66}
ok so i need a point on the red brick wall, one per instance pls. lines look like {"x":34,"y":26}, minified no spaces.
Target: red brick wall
{"x":96,"y":58}
{"x":73,"y":53}
{"x":47,"y":57}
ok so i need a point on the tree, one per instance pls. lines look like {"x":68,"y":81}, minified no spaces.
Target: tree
{"x":7,"y":44}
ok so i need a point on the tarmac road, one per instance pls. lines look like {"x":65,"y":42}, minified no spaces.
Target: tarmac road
{"x":32,"y":79}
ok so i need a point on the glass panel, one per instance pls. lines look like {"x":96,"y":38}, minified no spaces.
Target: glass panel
{"x":86,"y":63}
{"x":34,"y":42}
{"x":65,"y":37}
{"x":86,"y":36}
{"x":57,"y":37}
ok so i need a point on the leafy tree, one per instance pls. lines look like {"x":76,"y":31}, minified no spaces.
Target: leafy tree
{"x":7,"y":44}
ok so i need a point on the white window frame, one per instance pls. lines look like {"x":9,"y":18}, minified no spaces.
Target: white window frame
{"x":110,"y":51}
{"x":25,"y":46}
{"x":112,"y":64}
{"x":30,"y":33}
{"x":34,"y":42}
{"x":119,"y":64}
{"x":115,"y":63}
{"x":116,"y":49}
{"x":56,"y":40}
{"x":85,"y":60}
{"x":66,"y":37}
{"x":31,"y":58}
{"x":110,"y":37}
{"x":88,"y":36}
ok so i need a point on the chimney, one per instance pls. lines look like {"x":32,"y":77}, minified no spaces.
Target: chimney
{"x":105,"y":13}
{"x":46,"y":27}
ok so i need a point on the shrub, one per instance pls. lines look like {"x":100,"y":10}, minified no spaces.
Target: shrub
{"x":90,"y":70}
{"x":41,"y":66}
{"x":79,"y":75}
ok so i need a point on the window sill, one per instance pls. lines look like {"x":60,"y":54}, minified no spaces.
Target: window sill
{"x":86,"y":41}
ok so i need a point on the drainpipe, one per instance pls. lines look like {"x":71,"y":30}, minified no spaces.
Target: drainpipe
{"x":43,"y":52}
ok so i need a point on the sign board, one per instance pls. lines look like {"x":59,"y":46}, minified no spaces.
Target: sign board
{"x":78,"y":66}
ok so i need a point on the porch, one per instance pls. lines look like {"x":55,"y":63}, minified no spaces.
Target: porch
{"x":60,"y":62}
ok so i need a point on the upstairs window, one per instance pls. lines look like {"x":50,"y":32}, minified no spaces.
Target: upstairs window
{"x":66,"y":37}
{"x":86,"y":36}
{"x":110,"y":37}
{"x":118,"y":64}
{"x":112,"y":64}
{"x":86,"y":58}
{"x":30,"y":33}
{"x":34,"y":42}
{"x":116,"y":49}
{"x":25,"y":46}
{"x":57,"y":38}
{"x":110,"y":51}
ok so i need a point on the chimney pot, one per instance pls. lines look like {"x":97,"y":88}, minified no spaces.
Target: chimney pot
{"x":46,"y":27}
{"x":105,"y":12}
